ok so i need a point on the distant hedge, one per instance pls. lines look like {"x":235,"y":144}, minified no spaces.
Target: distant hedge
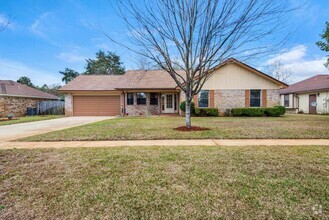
{"x":275,"y":111}
{"x":203,"y":112}
{"x":182,"y":107}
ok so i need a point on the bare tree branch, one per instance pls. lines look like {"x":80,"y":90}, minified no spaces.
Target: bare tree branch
{"x":279,"y":72}
{"x":202,"y":33}
{"x":4,"y":24}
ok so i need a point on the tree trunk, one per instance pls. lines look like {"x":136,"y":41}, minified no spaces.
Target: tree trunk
{"x":188,"y":110}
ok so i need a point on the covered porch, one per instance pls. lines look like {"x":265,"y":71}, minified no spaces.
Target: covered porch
{"x":151,"y":102}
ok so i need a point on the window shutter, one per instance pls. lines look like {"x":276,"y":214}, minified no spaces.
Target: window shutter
{"x":212,"y":99}
{"x":247,"y":99}
{"x":195,"y":100}
{"x":264,"y":98}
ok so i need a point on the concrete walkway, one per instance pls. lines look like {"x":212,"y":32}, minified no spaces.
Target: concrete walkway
{"x":15,"y":131}
{"x":205,"y":142}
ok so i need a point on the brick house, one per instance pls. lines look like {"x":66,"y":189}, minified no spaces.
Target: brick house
{"x":153,"y":92}
{"x":15,"y":98}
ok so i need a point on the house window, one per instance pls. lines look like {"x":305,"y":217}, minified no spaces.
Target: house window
{"x":286,"y":100}
{"x":154,"y":99}
{"x":130,"y":98}
{"x":254,"y":98}
{"x":141,"y":98}
{"x":203,"y":101}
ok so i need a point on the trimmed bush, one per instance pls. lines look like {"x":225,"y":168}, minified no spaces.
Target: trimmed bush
{"x":182,"y":107}
{"x":258,"y":112}
{"x":282,"y":109}
{"x":204,"y":112}
{"x":273,"y":112}
{"x":249,"y":112}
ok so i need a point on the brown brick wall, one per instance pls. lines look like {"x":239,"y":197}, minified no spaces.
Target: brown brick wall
{"x":16,"y":105}
{"x":227,"y":99}
{"x":143,"y":110}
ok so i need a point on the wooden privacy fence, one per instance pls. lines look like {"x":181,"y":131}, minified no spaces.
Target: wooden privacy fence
{"x":50,"y":108}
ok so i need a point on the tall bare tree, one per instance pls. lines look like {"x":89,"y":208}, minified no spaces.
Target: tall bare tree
{"x":278,"y":71}
{"x":202,"y":34}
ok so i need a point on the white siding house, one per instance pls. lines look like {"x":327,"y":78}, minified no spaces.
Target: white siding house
{"x":308,"y":96}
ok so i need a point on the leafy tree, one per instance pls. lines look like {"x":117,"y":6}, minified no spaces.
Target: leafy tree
{"x":105,"y":64}
{"x":69,"y":74}
{"x":26,"y":81}
{"x":324,"y":45}
{"x":52,"y":89}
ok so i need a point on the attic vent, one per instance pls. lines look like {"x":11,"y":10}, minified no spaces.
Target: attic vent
{"x":3,"y":88}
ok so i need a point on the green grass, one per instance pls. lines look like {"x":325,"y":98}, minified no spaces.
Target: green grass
{"x":152,"y":128}
{"x":165,"y":182}
{"x":29,"y":119}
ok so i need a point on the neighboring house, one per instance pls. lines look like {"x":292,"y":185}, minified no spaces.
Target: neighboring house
{"x":309,"y":96}
{"x":15,"y":98}
{"x":232,"y":84}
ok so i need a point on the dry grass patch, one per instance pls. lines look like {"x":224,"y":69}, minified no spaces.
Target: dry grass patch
{"x":165,"y":182}
{"x":152,"y":128}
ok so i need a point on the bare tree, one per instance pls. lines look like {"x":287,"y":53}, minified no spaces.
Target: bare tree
{"x":201,"y":34}
{"x":143,"y":63}
{"x":279,"y":72}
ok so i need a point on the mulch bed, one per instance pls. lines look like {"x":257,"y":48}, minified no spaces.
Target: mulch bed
{"x":192,"y":128}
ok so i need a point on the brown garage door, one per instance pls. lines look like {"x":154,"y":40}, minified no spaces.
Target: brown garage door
{"x":96,"y":105}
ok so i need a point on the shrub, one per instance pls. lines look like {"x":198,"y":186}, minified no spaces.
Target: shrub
{"x":258,"y":112}
{"x":203,"y":112}
{"x":250,"y":112}
{"x":273,"y":112}
{"x":282,"y":109}
{"x":182,"y":107}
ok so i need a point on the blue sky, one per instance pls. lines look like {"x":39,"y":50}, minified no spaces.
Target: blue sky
{"x":48,"y":36}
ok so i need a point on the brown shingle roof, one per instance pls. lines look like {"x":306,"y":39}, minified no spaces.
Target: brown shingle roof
{"x":93,"y":82}
{"x":11,"y":88}
{"x":141,"y":79}
{"x":132,"y":79}
{"x":147,"y":79}
{"x":315,"y":83}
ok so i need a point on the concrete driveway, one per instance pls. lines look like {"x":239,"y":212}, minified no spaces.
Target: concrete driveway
{"x":15,"y":131}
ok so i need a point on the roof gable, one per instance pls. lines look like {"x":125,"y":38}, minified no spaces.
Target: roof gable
{"x":251,"y":69}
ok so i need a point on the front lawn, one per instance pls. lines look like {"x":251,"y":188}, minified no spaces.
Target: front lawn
{"x":165,"y":182}
{"x":28,"y":119}
{"x":152,"y":128}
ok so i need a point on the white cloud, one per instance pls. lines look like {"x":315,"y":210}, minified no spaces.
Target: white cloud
{"x":36,"y":26}
{"x":12,"y":70}
{"x":71,"y":57}
{"x":286,"y":56}
{"x":296,"y":61}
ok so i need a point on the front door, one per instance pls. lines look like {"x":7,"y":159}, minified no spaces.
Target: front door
{"x":312,"y":104}
{"x":169,"y":103}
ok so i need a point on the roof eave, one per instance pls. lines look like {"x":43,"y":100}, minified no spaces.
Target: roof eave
{"x":303,"y":91}
{"x":25,"y":96}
